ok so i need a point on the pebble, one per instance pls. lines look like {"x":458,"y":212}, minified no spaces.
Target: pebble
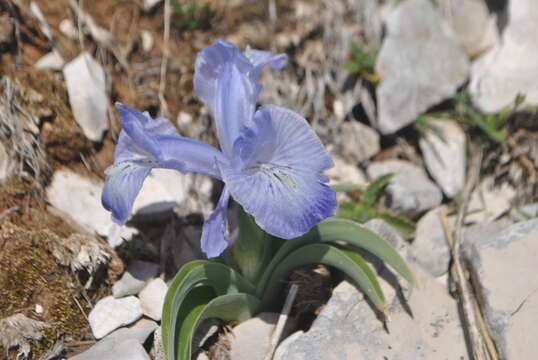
{"x":152,"y":298}
{"x":135,"y":278}
{"x":86,"y":87}
{"x":110,"y":313}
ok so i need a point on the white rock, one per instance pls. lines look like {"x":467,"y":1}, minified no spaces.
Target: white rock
{"x":488,"y":201}
{"x":348,"y":329}
{"x":79,"y":199}
{"x":68,"y":29}
{"x":147,"y":40}
{"x":129,"y":349}
{"x":251,"y":339}
{"x":474,"y":26}
{"x":344,"y":172}
{"x":443,"y":150}
{"x":150,"y":4}
{"x":52,"y":60}
{"x":359,"y":142}
{"x":409,"y":191}
{"x":525,"y":212}
{"x":420,"y":64}
{"x":110,"y":313}
{"x":85,"y":82}
{"x":152,"y":298}
{"x":135,"y":278}
{"x":387,"y":232}
{"x":6,"y":164}
{"x":509,"y":68}
{"x":162,"y":190}
{"x":430,"y":248}
{"x":503,"y":267}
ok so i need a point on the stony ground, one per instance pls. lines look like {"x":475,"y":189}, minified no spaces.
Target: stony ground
{"x":441,"y":94}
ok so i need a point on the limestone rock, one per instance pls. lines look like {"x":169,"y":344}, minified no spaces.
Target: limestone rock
{"x":430,"y":248}
{"x":359,"y":142}
{"x":152,"y":298}
{"x":443,"y":149}
{"x":347,"y":328}
{"x":409,"y":191}
{"x":52,"y":60}
{"x":6,"y":163}
{"x":85,"y":82}
{"x":420,"y":64}
{"x":509,"y":68}
{"x":135,"y":278}
{"x":110,"y":313}
{"x":503,"y":267}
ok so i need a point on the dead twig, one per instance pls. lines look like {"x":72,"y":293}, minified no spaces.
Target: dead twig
{"x":164,"y":63}
{"x":482,"y":347}
{"x":282,"y":319}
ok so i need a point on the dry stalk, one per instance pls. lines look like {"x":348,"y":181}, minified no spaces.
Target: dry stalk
{"x":282,"y":319}
{"x":164,"y":62}
{"x":482,"y":347}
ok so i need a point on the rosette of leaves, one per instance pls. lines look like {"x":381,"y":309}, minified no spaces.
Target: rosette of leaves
{"x":368,"y":207}
{"x":248,"y":279}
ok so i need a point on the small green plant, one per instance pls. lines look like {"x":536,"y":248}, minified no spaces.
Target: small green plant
{"x":367,"y":208}
{"x":362,"y":63}
{"x":192,"y":17}
{"x":249,"y":278}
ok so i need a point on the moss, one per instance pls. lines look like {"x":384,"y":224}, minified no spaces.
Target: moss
{"x":29,"y":275}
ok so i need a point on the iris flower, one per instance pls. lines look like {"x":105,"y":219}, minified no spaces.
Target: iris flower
{"x":270,"y":159}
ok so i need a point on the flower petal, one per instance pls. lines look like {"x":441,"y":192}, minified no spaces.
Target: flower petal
{"x":260,"y":59}
{"x":214,"y":232}
{"x":121,"y":188}
{"x":278,"y":178}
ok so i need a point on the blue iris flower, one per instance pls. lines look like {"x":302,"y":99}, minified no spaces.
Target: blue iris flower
{"x":270,"y":159}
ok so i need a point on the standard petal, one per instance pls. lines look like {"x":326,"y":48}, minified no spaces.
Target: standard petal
{"x":279,"y":180}
{"x":121,"y":188}
{"x":215,"y":230}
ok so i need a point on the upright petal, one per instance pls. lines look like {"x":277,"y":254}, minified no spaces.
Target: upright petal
{"x":277,"y":178}
{"x":215,"y":230}
{"x":227,"y":82}
{"x":145,"y":144}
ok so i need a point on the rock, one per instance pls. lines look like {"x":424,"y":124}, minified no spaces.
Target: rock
{"x":344,"y":173}
{"x":180,"y":243}
{"x":135,"y":278}
{"x":113,"y":344}
{"x":147,"y":40}
{"x":473,"y":25}
{"x":359,"y":142}
{"x":6,"y":164}
{"x":129,"y":349}
{"x":157,"y":350}
{"x":405,"y":196}
{"x":251,"y":339}
{"x":162,"y":190}
{"x":430,"y":248}
{"x":347,"y":328}
{"x":68,"y":29}
{"x":503,"y":267}
{"x":152,"y":298}
{"x":150,"y":4}
{"x":509,"y":68}
{"x":110,"y":313}
{"x":52,"y":60}
{"x":76,"y":196}
{"x":443,"y":149}
{"x":85,"y":82}
{"x":420,"y":64}
{"x":488,"y":201}
{"x":526,"y":212}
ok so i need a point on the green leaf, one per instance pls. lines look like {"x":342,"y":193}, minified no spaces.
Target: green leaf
{"x":336,"y":230}
{"x":252,"y":249}
{"x":352,"y":264}
{"x":347,"y":187}
{"x":230,"y":307}
{"x":372,"y":193}
{"x":405,"y":227}
{"x":221,"y":278}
